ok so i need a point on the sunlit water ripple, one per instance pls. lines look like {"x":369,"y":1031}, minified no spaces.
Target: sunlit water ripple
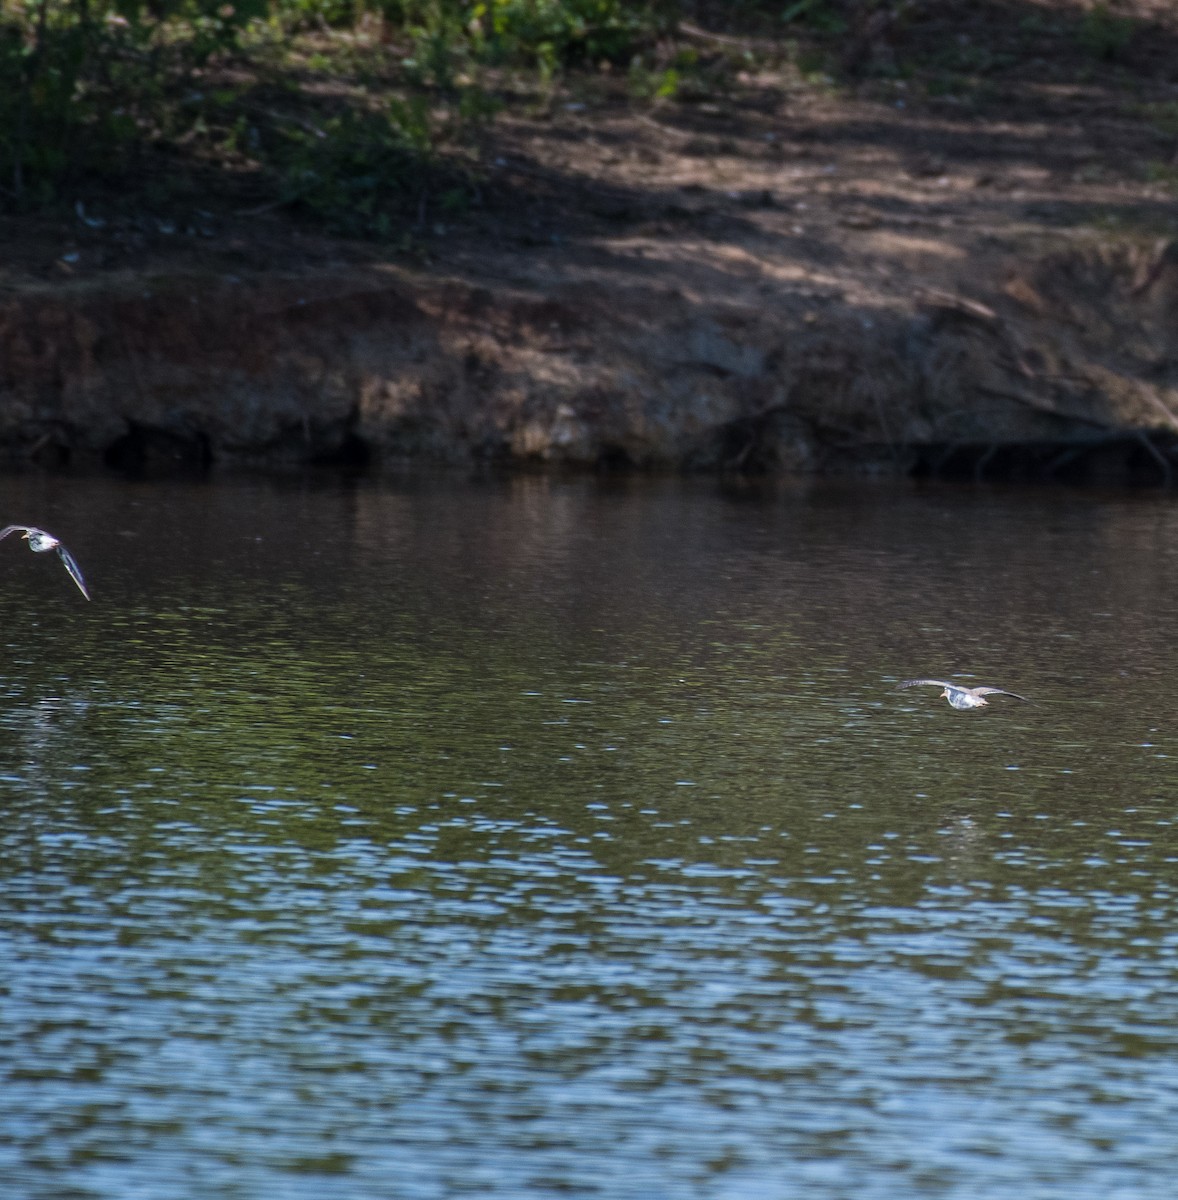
{"x":514,"y":839}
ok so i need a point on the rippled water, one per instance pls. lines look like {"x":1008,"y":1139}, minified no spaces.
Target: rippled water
{"x":512,"y":839}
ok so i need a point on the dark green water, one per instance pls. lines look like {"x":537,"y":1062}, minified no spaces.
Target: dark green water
{"x":511,"y":840}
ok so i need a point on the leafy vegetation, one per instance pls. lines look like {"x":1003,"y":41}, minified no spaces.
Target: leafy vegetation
{"x":1104,"y":33}
{"x":337,"y":106}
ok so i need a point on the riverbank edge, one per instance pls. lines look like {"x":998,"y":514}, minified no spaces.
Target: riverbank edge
{"x":1055,"y":365}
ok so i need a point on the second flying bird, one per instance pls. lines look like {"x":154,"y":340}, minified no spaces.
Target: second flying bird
{"x":40,"y":542}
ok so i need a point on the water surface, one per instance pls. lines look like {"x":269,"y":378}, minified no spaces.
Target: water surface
{"x":435,"y":838}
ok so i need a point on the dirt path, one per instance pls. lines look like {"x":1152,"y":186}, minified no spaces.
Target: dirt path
{"x":968,"y":265}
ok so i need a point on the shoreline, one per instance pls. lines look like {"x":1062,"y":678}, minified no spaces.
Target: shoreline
{"x":380,"y":363}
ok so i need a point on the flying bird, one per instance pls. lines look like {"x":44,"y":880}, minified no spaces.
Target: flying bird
{"x":958,"y":696}
{"x":40,"y":541}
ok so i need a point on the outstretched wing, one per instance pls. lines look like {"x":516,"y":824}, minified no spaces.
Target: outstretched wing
{"x":935,"y":683}
{"x":989,"y":691}
{"x":72,"y":568}
{"x":12,"y":529}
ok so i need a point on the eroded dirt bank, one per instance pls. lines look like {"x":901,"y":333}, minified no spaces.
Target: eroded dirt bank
{"x":1074,"y":351}
{"x":790,"y":278}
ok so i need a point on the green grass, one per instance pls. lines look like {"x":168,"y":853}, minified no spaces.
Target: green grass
{"x":355,"y":115}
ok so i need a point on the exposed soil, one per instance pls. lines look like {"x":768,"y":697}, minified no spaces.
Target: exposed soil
{"x":956,"y":254}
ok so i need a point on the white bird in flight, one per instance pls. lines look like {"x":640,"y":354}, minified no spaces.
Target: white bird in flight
{"x":958,"y":696}
{"x":40,"y":541}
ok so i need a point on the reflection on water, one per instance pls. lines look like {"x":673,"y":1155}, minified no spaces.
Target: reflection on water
{"x":509,"y":839}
